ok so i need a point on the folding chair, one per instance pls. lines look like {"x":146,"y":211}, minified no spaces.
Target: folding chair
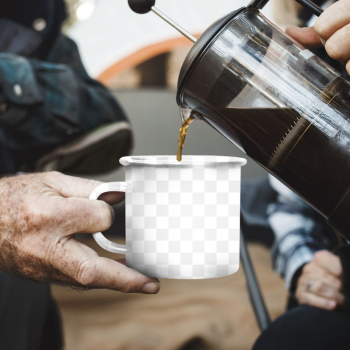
{"x":256,"y":195}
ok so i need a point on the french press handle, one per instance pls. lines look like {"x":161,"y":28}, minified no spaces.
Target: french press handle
{"x":310,"y":5}
{"x":315,"y":9}
{"x":144,"y":6}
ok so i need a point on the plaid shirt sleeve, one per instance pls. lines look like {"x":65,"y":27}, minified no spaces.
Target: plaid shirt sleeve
{"x":299,"y":232}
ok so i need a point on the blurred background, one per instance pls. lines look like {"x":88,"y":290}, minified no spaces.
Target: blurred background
{"x":139,"y":57}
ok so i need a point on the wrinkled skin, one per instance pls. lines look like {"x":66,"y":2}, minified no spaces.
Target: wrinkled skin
{"x":39,"y":216}
{"x":325,"y":272}
{"x":332,"y":29}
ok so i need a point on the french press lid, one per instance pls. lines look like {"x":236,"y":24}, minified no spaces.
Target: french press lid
{"x":200,"y":47}
{"x":209,"y":36}
{"x":213,"y":33}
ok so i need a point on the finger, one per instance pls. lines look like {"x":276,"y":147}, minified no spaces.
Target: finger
{"x":112,"y":197}
{"x":334,"y":18}
{"x":78,"y":215}
{"x":81,"y":264}
{"x":316,"y":301}
{"x":348,"y":67}
{"x":337,"y":46}
{"x":305,"y":36}
{"x":70,"y":186}
{"x":329,"y":262}
{"x":314,"y":272}
{"x":113,"y":275}
{"x":323,"y":289}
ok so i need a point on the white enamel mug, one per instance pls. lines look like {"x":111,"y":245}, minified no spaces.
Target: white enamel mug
{"x":182,"y":218}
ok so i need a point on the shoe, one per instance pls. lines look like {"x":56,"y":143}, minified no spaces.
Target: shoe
{"x":97,"y":152}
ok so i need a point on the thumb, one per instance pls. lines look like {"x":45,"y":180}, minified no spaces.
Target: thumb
{"x":305,"y":36}
{"x":113,"y":275}
{"x":81,"y":266}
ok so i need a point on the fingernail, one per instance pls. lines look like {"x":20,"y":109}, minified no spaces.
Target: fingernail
{"x":112,"y":215}
{"x":151,"y":288}
{"x":331,"y":304}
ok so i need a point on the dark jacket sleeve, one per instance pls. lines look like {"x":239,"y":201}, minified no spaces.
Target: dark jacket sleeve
{"x":44,"y":104}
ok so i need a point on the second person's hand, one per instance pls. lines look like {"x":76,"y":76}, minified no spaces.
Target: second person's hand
{"x":319,"y":284}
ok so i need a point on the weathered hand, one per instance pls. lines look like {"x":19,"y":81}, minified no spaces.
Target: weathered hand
{"x":331,"y":29}
{"x":320,"y":284}
{"x":39,"y":215}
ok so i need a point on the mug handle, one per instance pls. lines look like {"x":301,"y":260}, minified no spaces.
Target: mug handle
{"x":101,"y":240}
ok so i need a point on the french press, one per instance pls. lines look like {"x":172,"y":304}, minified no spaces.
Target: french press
{"x":278,"y":102}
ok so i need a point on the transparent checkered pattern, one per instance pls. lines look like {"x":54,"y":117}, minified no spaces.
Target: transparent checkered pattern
{"x":182,"y":221}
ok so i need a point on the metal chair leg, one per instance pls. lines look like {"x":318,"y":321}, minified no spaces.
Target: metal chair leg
{"x":256,"y":298}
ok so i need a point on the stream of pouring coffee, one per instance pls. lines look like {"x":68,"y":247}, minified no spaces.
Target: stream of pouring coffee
{"x":182,"y":136}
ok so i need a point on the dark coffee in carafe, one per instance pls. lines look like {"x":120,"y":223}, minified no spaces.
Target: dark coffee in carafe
{"x":312,"y":156}
{"x":303,"y":157}
{"x":280,"y":104}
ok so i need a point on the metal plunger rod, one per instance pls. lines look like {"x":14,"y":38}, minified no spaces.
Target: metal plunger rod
{"x":145,"y":6}
{"x":256,"y":298}
{"x":173,"y":24}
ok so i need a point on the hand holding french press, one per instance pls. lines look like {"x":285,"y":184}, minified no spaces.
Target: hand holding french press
{"x":331,"y":29}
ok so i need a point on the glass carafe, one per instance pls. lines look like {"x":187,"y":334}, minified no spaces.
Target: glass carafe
{"x":279,"y":103}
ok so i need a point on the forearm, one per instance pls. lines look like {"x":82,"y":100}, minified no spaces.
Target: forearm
{"x":290,"y":270}
{"x":93,"y":95}
{"x":299,"y":233}
{"x":49,"y":104}
{"x":293,"y":246}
